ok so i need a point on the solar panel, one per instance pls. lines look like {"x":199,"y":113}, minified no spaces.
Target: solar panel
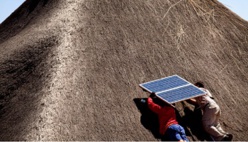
{"x":180,"y":94}
{"x":164,"y":84}
{"x":172,"y":89}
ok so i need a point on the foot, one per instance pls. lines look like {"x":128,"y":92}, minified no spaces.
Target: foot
{"x":227,"y":137}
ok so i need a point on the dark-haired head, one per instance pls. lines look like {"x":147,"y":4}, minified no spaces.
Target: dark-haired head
{"x":160,"y":102}
{"x":199,"y":84}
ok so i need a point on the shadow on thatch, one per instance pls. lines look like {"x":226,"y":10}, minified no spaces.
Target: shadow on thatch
{"x":34,"y":4}
{"x":22,"y":78}
{"x":191,"y":121}
{"x":148,"y":119}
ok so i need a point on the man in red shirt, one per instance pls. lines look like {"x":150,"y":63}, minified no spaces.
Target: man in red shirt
{"x":168,"y":125}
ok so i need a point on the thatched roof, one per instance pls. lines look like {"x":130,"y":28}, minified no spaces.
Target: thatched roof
{"x":70,"y":69}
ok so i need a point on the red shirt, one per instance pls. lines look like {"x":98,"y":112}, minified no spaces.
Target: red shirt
{"x":166,"y":115}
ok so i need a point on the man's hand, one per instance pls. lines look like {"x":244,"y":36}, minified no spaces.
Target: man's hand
{"x":192,"y":101}
{"x":153,"y":95}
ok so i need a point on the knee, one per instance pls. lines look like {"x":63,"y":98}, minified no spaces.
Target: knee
{"x":207,"y":127}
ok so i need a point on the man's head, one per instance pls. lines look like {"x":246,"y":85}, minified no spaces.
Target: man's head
{"x":199,"y":84}
{"x":160,"y":102}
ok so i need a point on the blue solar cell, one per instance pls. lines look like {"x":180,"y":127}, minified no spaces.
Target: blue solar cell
{"x":164,"y":83}
{"x":180,"y":94}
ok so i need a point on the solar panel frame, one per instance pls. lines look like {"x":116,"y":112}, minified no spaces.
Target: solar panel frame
{"x":173,"y":88}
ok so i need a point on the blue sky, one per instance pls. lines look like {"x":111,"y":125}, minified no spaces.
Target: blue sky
{"x":7,"y":7}
{"x":240,"y":7}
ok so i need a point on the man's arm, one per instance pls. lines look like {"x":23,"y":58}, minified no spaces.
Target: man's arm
{"x":153,"y":106}
{"x":192,"y":101}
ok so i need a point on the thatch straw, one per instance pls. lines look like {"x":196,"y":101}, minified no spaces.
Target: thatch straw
{"x":88,"y":58}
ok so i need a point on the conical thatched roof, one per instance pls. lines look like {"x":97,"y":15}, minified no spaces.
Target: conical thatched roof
{"x":70,"y":69}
